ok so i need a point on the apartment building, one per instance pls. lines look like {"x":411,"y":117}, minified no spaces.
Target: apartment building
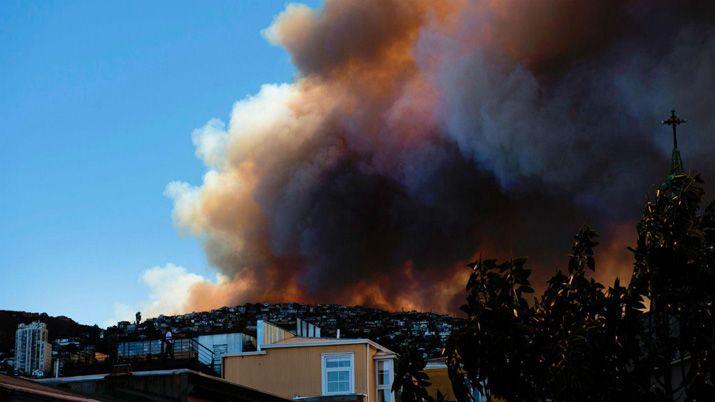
{"x":33,"y":353}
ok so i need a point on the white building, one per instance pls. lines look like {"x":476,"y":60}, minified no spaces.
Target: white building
{"x":32,"y":350}
{"x":221,"y":344}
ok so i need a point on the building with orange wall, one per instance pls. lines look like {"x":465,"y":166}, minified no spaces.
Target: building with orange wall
{"x":438,"y":373}
{"x":304,"y":366}
{"x":436,"y":370}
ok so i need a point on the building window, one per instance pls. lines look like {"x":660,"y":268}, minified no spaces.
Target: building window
{"x":384,"y":380}
{"x":219,"y":350}
{"x":338,"y":373}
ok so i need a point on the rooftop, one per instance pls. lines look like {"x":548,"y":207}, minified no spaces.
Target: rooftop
{"x":298,"y":341}
{"x":165,"y":385}
{"x":15,"y":388}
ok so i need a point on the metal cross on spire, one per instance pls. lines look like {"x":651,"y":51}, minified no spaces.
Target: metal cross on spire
{"x":676,"y":164}
{"x":674,"y":121}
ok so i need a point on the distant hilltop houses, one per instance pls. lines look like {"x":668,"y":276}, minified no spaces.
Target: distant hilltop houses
{"x":251,"y":352}
{"x":428,"y":330}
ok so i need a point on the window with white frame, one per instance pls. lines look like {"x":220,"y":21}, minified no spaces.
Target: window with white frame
{"x":338,"y":373}
{"x":384,"y":368}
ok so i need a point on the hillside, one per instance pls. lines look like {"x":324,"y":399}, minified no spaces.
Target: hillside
{"x":58,"y":327}
{"x":426,"y":330}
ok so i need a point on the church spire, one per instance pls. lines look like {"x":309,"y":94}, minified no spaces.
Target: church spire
{"x":676,"y":164}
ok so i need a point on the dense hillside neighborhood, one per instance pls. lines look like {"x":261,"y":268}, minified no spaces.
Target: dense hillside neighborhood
{"x":425,"y":329}
{"x":78,"y":344}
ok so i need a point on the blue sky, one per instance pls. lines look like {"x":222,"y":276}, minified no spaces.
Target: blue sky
{"x":97,"y":104}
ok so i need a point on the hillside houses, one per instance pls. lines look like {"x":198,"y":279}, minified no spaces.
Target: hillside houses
{"x":427,"y":330}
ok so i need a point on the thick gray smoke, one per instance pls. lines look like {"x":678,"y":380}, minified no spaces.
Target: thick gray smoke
{"x":421,"y":134}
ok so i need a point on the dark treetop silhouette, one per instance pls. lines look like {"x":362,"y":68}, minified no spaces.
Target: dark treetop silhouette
{"x":582,"y":342}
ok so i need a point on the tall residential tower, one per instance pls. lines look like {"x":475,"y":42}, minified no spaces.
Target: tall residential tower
{"x":32,"y":350}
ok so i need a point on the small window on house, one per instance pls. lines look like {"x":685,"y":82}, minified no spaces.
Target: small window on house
{"x":384,"y":380}
{"x":338,"y":373}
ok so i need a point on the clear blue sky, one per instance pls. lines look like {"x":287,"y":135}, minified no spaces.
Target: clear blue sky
{"x":98,"y":100}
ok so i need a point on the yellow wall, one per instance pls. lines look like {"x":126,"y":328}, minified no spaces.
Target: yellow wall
{"x":439,"y":379}
{"x":372,"y":372}
{"x":297,"y":371}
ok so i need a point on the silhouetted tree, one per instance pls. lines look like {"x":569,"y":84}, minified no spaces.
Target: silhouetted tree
{"x":579,"y":341}
{"x":411,"y":382}
{"x":675,"y":270}
{"x":495,"y":347}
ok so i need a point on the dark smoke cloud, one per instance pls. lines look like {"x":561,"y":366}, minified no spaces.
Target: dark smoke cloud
{"x":421,"y":134}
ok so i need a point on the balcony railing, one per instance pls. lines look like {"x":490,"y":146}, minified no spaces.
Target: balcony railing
{"x":181,"y":349}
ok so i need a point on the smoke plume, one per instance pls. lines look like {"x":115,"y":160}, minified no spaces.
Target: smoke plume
{"x":421,"y":134}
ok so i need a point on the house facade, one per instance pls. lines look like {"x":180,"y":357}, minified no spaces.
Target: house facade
{"x":313,"y":368}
